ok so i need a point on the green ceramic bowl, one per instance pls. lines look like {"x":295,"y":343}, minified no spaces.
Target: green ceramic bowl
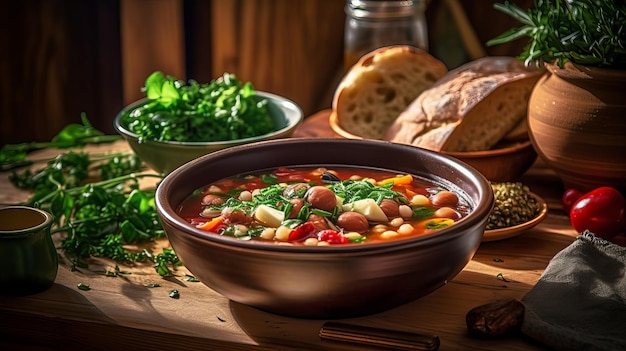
{"x":164,"y":157}
{"x":27,"y":254}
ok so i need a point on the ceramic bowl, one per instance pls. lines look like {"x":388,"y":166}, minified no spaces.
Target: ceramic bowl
{"x":334,"y":281}
{"x":164,"y":157}
{"x":27,"y":253}
{"x":505,"y":162}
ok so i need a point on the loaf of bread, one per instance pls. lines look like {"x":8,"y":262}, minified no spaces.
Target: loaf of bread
{"x":380,"y":86}
{"x":471,"y":108}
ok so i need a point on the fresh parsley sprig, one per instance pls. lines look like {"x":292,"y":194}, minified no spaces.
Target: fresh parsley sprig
{"x":99,"y":214}
{"x":355,"y":190}
{"x":73,"y":135}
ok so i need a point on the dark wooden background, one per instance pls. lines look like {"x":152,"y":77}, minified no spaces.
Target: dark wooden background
{"x":60,"y":58}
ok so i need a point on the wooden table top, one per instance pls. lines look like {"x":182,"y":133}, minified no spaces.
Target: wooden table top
{"x":121,"y":312}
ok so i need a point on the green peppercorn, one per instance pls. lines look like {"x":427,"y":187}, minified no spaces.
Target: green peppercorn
{"x":513,"y":205}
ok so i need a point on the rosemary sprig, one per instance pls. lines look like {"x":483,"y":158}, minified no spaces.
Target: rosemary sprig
{"x":586,"y":32}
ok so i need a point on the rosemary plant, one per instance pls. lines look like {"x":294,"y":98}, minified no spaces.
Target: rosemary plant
{"x":585,"y":32}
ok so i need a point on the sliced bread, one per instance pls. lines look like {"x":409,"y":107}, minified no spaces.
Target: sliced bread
{"x":471,"y":108}
{"x":380,"y":86}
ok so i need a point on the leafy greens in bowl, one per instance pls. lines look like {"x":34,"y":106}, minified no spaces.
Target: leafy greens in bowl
{"x":224,"y":109}
{"x":178,"y":122}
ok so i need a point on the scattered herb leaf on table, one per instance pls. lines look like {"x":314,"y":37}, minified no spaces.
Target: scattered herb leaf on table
{"x":98,"y":214}
{"x":73,"y":135}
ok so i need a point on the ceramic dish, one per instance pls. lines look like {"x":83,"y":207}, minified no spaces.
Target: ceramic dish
{"x":165,"y":156}
{"x":510,"y":232}
{"x":326,"y":281}
{"x":505,"y":162}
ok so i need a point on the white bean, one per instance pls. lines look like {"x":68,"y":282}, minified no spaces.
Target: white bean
{"x":420,"y":200}
{"x":389,"y":234}
{"x":282,"y":233}
{"x":214,"y":189}
{"x":405,"y":211}
{"x":245,"y":196}
{"x":210,"y":213}
{"x":268,"y":233}
{"x":311,"y":242}
{"x":396,"y":222}
{"x":379,"y":228}
{"x":405,"y":229}
{"x":240,"y":229}
{"x":353,"y":235}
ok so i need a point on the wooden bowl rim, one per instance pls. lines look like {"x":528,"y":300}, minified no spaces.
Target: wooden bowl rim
{"x":509,"y":148}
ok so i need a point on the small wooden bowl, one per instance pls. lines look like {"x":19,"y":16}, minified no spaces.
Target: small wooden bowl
{"x":503,"y":163}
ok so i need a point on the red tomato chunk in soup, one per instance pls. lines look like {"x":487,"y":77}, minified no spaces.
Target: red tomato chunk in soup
{"x":320,"y":207}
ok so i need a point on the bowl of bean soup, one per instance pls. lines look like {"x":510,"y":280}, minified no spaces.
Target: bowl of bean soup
{"x":324,"y":228}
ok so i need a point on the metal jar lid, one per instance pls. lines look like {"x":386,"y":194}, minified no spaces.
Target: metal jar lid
{"x":374,"y":9}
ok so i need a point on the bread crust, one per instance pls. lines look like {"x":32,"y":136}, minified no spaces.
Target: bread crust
{"x":470,"y":109}
{"x":380,"y":86}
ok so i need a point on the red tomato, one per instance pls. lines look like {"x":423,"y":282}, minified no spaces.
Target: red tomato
{"x":601,"y":211}
{"x":302,"y":232}
{"x":332,"y":237}
{"x":569,"y":198}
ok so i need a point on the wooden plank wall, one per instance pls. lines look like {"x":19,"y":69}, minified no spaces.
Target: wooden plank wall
{"x":152,"y":38}
{"x":290,"y":48}
{"x":59,"y":58}
{"x":64,"y":57}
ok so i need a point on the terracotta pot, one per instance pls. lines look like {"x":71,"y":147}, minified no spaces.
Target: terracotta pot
{"x":577,"y":124}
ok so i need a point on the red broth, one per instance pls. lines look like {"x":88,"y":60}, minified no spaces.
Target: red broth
{"x":319,"y":206}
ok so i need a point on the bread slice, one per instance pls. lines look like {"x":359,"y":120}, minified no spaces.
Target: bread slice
{"x":470,"y":109}
{"x":380,"y":86}
{"x":518,"y":133}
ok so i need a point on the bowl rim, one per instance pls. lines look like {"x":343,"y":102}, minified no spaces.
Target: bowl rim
{"x":168,"y":213}
{"x":509,"y":232}
{"x":45,"y":221}
{"x":509,"y":148}
{"x":292,"y":123}
{"x":333,"y":121}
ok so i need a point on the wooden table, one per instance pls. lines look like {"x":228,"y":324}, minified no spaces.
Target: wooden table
{"x":123,"y":313}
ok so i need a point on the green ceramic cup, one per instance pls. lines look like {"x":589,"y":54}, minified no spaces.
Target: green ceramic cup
{"x":28,"y":258}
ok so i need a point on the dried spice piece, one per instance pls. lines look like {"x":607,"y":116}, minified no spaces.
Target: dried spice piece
{"x":495,"y":319}
{"x":501,"y":277}
{"x":514,"y":204}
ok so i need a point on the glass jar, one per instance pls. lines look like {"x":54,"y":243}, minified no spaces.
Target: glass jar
{"x":27,"y":254}
{"x":371,"y":24}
